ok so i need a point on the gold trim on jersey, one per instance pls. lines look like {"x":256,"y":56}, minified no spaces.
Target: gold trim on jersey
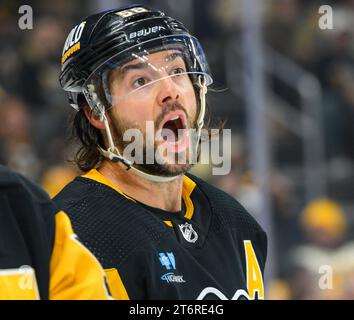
{"x":95,"y":175}
{"x":75,"y":273}
{"x":18,"y":284}
{"x":116,"y":285}
{"x":169,"y":223}
{"x":188,"y":187}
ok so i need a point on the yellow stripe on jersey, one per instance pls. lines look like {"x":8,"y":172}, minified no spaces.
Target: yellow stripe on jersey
{"x":116,"y":285}
{"x":169,"y":223}
{"x":74,"y":272}
{"x":18,"y":284}
{"x":97,"y":176}
{"x":254,"y":274}
{"x":188,"y":187}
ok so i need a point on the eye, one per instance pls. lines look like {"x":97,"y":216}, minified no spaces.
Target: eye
{"x":140,"y":82}
{"x":178,"y":71}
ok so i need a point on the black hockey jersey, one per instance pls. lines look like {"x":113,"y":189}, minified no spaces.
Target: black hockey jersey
{"x":213,"y":249}
{"x":40,"y":256}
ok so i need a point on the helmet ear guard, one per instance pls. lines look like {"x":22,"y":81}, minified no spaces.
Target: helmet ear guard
{"x":97,"y":107}
{"x":73,"y":100}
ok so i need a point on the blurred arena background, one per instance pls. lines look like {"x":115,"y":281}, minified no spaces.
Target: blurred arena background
{"x":286,"y":88}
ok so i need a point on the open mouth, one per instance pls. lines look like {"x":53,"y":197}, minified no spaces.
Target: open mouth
{"x":171,"y":126}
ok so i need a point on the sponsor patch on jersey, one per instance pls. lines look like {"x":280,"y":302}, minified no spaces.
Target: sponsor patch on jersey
{"x":168,"y":261}
{"x":171,"y":277}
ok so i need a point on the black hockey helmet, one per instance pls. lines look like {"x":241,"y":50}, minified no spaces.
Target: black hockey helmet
{"x":115,"y":33}
{"x":102,"y":46}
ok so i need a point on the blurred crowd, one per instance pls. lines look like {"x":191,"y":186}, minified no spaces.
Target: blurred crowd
{"x":308,"y":234}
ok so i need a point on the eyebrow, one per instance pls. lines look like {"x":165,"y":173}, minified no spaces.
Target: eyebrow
{"x":142,"y":65}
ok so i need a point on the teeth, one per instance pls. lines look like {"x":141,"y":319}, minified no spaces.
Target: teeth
{"x":174,"y":118}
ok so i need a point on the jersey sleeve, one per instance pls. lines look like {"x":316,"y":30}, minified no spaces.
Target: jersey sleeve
{"x":74,"y":272}
{"x":26,"y":229}
{"x":40,"y":256}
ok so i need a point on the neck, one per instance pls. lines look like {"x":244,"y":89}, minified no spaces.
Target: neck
{"x":166,"y":196}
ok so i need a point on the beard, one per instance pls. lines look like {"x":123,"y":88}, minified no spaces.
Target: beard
{"x":120,"y":126}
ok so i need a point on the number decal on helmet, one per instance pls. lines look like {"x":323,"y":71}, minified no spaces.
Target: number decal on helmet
{"x":131,"y":12}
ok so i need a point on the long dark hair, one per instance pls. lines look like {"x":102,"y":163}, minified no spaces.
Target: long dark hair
{"x":87,"y":137}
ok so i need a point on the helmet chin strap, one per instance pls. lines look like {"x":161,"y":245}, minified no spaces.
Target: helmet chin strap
{"x":203,"y":89}
{"x":113,"y":154}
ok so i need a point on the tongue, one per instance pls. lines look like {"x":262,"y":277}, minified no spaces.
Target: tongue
{"x":169,"y":131}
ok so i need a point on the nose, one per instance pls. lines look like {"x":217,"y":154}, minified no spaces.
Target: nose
{"x":168,"y":92}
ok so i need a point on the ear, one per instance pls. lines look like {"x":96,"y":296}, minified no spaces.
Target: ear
{"x":94,"y":120}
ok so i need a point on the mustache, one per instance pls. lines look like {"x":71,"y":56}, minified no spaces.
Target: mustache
{"x":167,"y":108}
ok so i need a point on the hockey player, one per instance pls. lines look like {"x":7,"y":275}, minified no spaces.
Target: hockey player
{"x":159,"y":232}
{"x":40,"y":256}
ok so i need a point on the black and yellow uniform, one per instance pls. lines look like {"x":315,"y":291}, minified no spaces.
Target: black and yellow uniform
{"x":40,"y":256}
{"x":212,"y":249}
